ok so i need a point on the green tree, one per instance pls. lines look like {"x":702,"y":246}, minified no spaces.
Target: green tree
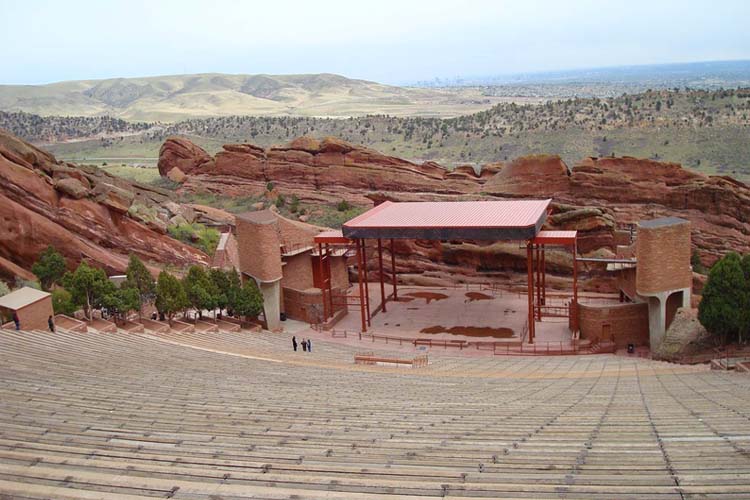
{"x":4,"y":288}
{"x":200,"y":290}
{"x":87,"y":285}
{"x":140,"y":279}
{"x":120,"y":301}
{"x":722,"y":309}
{"x":62,"y":302}
{"x":249,"y":301}
{"x":49,"y":268}
{"x":234,"y":289}
{"x":222,"y":284}
{"x":170,"y":296}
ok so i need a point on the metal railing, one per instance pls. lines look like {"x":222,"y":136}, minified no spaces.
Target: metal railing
{"x":510,"y":348}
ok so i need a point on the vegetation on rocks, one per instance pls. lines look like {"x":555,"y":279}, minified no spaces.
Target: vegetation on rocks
{"x":49,"y":268}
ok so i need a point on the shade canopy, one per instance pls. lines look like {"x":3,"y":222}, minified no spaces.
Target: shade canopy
{"x":512,"y":220}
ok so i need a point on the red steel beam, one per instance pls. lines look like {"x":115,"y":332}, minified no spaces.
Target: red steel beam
{"x":361,"y":289}
{"x":393,"y":269}
{"x":530,"y":289}
{"x":380,"y":269}
{"x":367,"y":282}
{"x":322,"y":282}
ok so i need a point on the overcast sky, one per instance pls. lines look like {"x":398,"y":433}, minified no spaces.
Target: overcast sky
{"x":383,"y":40}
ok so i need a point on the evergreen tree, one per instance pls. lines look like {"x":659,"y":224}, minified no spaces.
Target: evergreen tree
{"x":249,"y":300}
{"x":233,"y":291}
{"x":4,"y":288}
{"x":221,"y":283}
{"x":87,"y":285}
{"x":49,"y":268}
{"x":170,"y":296}
{"x":62,"y":302}
{"x":200,"y":290}
{"x":140,"y":279}
{"x":120,"y":301}
{"x":723,"y":308}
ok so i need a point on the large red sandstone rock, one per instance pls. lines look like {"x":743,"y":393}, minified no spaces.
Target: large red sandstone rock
{"x":183,"y":154}
{"x":37,"y":210}
{"x":596,"y":197}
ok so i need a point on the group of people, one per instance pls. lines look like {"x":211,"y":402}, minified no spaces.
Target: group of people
{"x":306,"y":344}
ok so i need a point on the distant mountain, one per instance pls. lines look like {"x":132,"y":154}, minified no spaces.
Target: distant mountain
{"x":172,"y":98}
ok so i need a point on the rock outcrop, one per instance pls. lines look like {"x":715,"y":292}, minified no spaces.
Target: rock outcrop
{"x":82,"y":211}
{"x":599,"y":197}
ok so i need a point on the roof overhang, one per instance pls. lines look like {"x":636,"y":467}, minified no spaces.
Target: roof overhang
{"x":506,"y":220}
{"x":561,"y":238}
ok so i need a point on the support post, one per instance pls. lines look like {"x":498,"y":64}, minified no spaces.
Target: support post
{"x":367,"y":282}
{"x":575,"y":285}
{"x":538,"y":269}
{"x":393,"y":269}
{"x":330,"y":280}
{"x":544,"y":277}
{"x":380,"y":269}
{"x":361,"y":289}
{"x":530,"y":288}
{"x":321,"y":273}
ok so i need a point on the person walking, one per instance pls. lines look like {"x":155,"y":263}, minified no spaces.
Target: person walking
{"x":16,"y":320}
{"x":304,"y":345}
{"x":51,"y":324}
{"x":294,"y":343}
{"x":309,"y":345}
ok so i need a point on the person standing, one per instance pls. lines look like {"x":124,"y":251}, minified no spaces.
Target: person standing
{"x":51,"y":324}
{"x":294,"y":343}
{"x":309,"y":345}
{"x":16,"y":320}
{"x":304,"y":345}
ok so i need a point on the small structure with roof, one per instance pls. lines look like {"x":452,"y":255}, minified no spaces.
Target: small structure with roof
{"x":32,"y":306}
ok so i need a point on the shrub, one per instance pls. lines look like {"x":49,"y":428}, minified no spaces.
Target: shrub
{"x":49,"y":268}
{"x":343,"y":206}
{"x":197,"y":235}
{"x":724,"y":308}
{"x":62,"y":302}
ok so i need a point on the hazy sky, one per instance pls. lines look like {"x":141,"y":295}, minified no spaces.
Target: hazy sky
{"x":384,"y":40}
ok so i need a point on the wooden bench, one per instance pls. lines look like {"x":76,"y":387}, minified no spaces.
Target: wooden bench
{"x":370,"y":359}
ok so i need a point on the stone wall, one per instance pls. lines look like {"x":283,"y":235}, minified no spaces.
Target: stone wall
{"x":298,"y":272}
{"x":307,"y":305}
{"x":34,"y":316}
{"x":626,"y":323}
{"x":258,"y":244}
{"x":663,"y":252}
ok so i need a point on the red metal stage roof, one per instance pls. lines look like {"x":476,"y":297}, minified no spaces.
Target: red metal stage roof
{"x":334,"y":237}
{"x":567,"y":238}
{"x":479,"y":220}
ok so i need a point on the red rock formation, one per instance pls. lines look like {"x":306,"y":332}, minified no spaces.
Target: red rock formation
{"x":596,"y":197}
{"x":84,"y":214}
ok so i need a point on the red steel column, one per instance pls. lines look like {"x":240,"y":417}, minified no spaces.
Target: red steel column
{"x":575,"y":284}
{"x":538,"y":266}
{"x":393,"y":269}
{"x":367,"y":281}
{"x":530,"y":289}
{"x":380,"y":269}
{"x":544,"y":274}
{"x":322,"y":282}
{"x":361,"y":289}
{"x":330,"y":280}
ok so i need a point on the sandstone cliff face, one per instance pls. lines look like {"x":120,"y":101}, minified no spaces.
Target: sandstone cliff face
{"x":599,"y":197}
{"x":83,"y":212}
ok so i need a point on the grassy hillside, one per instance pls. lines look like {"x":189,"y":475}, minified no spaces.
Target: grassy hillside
{"x":705,"y":130}
{"x":173,"y":98}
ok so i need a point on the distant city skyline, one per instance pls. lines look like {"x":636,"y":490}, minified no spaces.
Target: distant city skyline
{"x":390,"y":42}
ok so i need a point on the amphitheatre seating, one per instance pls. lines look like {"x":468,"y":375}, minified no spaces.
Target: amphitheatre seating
{"x":102,"y":325}
{"x":370,"y":359}
{"x":220,"y":415}
{"x":68,"y":323}
{"x":154,"y":326}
